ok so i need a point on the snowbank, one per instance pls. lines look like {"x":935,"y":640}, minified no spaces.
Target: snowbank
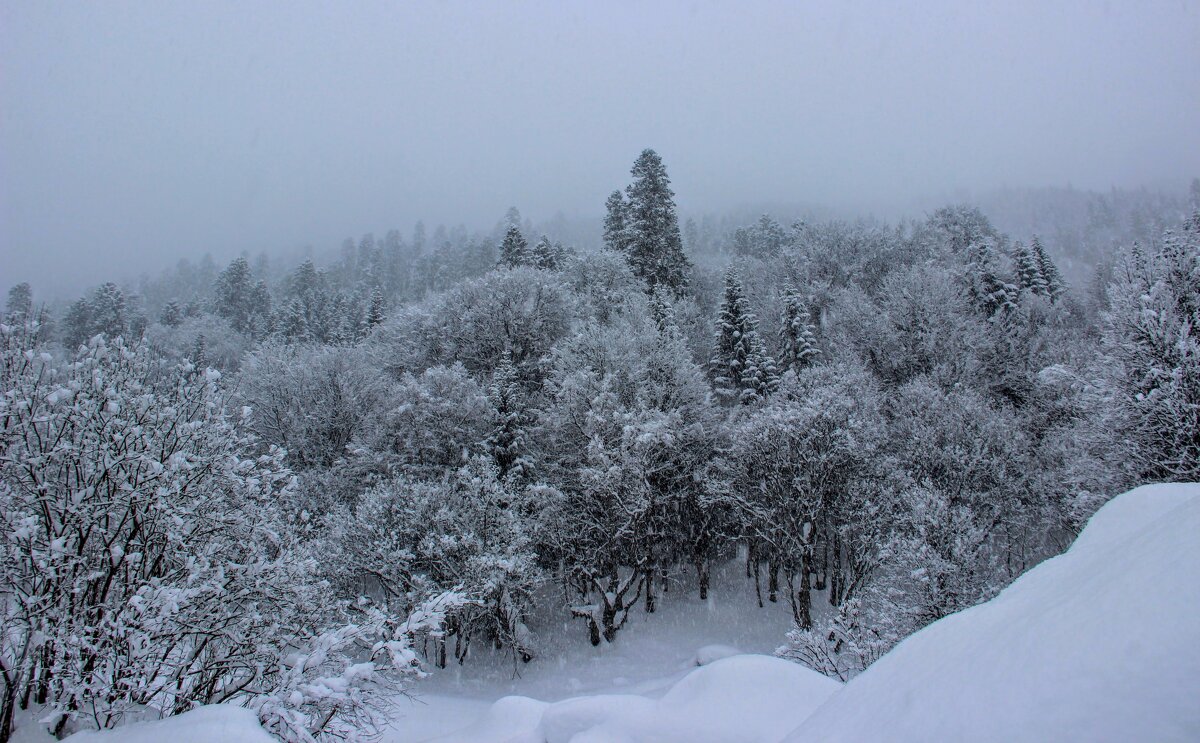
{"x":742,"y":698}
{"x":216,"y":722}
{"x":1099,"y":644}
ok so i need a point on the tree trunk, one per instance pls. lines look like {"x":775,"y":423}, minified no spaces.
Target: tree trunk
{"x":772,"y":581}
{"x":835,"y":574}
{"x":650,"y":590}
{"x":7,"y":711}
{"x":702,"y":569}
{"x":757,"y":584}
{"x":804,"y":597}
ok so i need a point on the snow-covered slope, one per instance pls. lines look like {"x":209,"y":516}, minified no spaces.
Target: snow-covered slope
{"x":1099,"y":644}
{"x":742,"y":698}
{"x":216,"y":722}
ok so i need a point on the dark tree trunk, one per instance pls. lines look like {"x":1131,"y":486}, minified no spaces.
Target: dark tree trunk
{"x":702,"y":569}
{"x":772,"y":581}
{"x":650,"y":591}
{"x":7,"y":711}
{"x":758,"y":584}
{"x":804,"y":597}
{"x":835,"y":574}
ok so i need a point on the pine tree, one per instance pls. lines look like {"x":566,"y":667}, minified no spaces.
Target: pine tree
{"x":662,"y":311}
{"x":507,"y":439}
{"x":309,"y":314}
{"x":616,"y":234}
{"x":654,"y":246}
{"x":20,"y":304}
{"x":987,"y":290}
{"x":260,"y":310}
{"x":796,"y":333}
{"x":108,"y":311}
{"x":742,"y":370}
{"x":171,"y":315}
{"x":77,"y":324}
{"x":546,"y":254}
{"x":514,"y":250}
{"x":376,"y":310}
{"x":1029,"y":271}
{"x":1053,"y":280}
{"x":234,"y":295}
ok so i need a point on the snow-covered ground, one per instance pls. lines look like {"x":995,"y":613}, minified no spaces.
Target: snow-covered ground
{"x":650,"y":654}
{"x":1099,"y":644}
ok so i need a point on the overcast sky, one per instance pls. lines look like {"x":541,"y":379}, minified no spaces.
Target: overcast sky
{"x":136,"y":133}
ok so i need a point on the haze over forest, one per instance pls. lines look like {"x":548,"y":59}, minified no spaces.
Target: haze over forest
{"x":134,"y":134}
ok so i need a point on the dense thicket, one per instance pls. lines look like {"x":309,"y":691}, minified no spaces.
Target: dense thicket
{"x":886,"y":424}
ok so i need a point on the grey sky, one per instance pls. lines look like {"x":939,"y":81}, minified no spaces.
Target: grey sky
{"x":132,"y":134}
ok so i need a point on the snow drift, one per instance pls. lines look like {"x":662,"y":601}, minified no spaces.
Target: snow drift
{"x":1099,"y":644}
{"x":216,"y":722}
{"x":743,"y":698}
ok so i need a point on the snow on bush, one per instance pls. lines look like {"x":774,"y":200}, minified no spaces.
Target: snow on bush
{"x":147,"y":556}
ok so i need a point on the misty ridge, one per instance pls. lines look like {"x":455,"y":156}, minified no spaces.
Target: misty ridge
{"x":536,"y":373}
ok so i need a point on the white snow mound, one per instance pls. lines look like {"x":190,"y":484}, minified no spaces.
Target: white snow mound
{"x":1099,"y":644}
{"x":216,"y":722}
{"x":711,"y":653}
{"x":744,"y":698}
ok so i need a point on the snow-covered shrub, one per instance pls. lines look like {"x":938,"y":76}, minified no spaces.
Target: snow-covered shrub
{"x":310,"y":400}
{"x":147,"y":556}
{"x":455,"y":550}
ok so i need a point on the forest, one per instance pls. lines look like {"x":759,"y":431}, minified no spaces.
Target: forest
{"x":303,"y":483}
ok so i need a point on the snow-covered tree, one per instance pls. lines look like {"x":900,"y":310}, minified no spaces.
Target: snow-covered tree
{"x":19,"y":307}
{"x":547,"y":255}
{"x":653,"y":245}
{"x":616,"y":229}
{"x":990,"y":293}
{"x":796,"y":336}
{"x":1153,"y":355}
{"x":1048,"y":272}
{"x":741,"y":368}
{"x":1028,"y":270}
{"x":462,"y":537}
{"x":514,"y":250}
{"x":506,"y":443}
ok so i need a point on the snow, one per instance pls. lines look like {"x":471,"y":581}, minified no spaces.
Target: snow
{"x":709,"y":705}
{"x":216,"y":722}
{"x":1099,"y":644}
{"x":648,"y":656}
{"x":711,"y":653}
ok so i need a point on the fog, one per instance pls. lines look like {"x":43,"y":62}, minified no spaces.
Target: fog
{"x":135,"y":134}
